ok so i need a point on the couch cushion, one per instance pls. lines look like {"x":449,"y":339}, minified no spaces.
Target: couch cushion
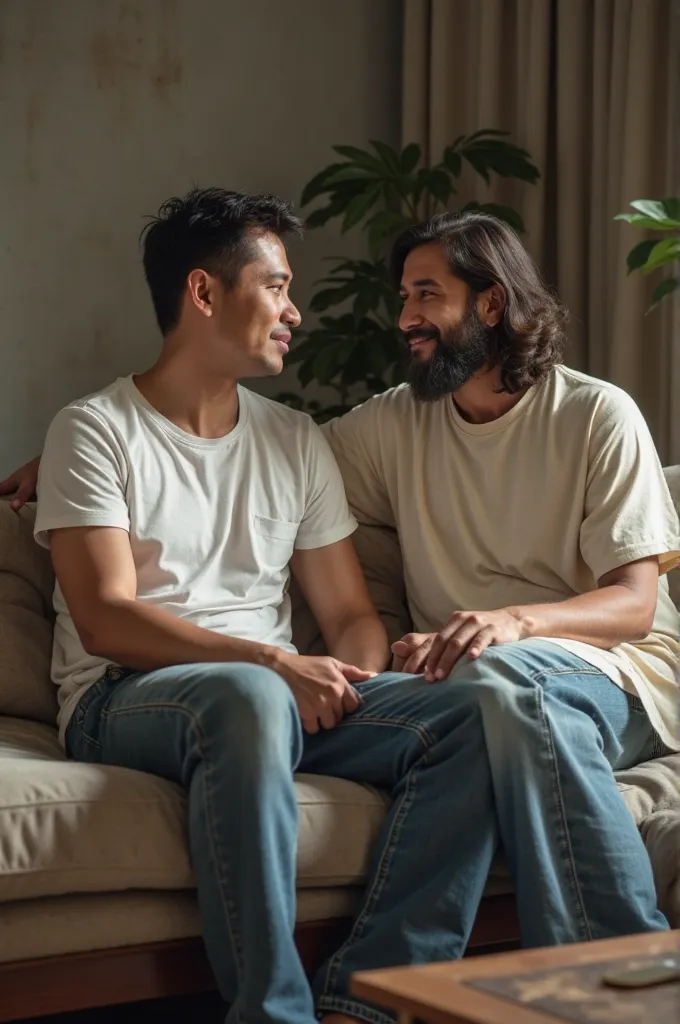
{"x":26,"y":584}
{"x":67,"y":827}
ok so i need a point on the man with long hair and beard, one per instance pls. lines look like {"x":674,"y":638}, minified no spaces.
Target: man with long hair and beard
{"x":536,"y":528}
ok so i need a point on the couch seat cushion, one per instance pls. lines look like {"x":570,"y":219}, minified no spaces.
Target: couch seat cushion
{"x":68,"y":827}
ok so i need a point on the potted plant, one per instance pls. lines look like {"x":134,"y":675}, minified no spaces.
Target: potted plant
{"x":357,"y":350}
{"x":653,"y":254}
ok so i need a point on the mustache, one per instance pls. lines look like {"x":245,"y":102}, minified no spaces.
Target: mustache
{"x":422,"y":334}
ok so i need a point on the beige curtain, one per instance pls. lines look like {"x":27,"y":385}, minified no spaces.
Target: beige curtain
{"x":592,"y":89}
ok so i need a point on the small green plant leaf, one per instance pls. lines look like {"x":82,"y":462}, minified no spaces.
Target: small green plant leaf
{"x":483,"y":133}
{"x":328,"y":297}
{"x":358,"y":207}
{"x":361,"y":157}
{"x":410,"y":156}
{"x":439,"y":185}
{"x":671,"y":205}
{"x":387,"y":222}
{"x":503,"y":158}
{"x":420,"y":184}
{"x":351,"y":173}
{"x":389,"y":157}
{"x":318,"y":185}
{"x":453,"y":161}
{"x":637,"y":257}
{"x":655,"y":209}
{"x":667,"y":287}
{"x":290,"y":399}
{"x":326,"y":363}
{"x":639,"y":220}
{"x":367,"y":301}
{"x":665,"y":251}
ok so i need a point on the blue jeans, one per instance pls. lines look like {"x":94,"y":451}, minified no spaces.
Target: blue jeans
{"x":514,"y":750}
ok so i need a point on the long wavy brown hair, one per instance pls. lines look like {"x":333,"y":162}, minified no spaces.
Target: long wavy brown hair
{"x":483,"y":251}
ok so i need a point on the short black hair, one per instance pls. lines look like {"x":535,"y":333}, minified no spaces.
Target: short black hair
{"x":207,"y":229}
{"x":482,"y":251}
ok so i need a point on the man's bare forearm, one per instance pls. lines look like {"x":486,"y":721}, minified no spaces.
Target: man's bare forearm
{"x":363,"y":642}
{"x":604,"y":618}
{"x":143,"y":637}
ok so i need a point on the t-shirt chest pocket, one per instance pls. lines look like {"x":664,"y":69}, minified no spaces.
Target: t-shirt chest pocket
{"x":274,"y":541}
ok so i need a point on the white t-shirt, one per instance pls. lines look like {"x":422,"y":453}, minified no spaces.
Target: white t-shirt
{"x":212,"y":522}
{"x":533,"y":507}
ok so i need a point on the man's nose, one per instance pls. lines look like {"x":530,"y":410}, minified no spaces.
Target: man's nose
{"x":409,"y":318}
{"x":292,"y":316}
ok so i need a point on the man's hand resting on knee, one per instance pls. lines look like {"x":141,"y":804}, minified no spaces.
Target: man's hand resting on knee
{"x":321,"y":687}
{"x":620,"y":610}
{"x":435,"y":654}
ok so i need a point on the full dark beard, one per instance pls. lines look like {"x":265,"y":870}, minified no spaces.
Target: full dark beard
{"x":460,"y":353}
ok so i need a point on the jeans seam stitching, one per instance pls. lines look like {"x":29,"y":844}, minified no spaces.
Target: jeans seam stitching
{"x":381,"y":875}
{"x":577,"y":894}
{"x":234,"y":932}
{"x":419,"y":728}
{"x":587,"y":670}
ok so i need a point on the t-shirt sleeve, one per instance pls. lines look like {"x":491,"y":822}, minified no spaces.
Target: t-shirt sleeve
{"x":356,"y":443}
{"x":82,"y":476}
{"x":326,"y":518}
{"x":629,"y":512}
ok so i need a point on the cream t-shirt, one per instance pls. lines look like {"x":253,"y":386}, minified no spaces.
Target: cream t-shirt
{"x":212,"y":522}
{"x":533,"y":507}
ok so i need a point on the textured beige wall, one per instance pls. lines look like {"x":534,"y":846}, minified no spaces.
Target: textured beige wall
{"x":107,"y":107}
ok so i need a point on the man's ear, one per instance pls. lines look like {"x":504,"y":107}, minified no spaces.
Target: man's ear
{"x":491,"y":304}
{"x":199,"y":288}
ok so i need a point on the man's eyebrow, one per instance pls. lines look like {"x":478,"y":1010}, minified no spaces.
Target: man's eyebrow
{"x":278,"y":275}
{"x":426,"y":282}
{"x":423,"y":282}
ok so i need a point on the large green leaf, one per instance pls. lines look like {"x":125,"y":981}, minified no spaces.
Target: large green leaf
{"x":656,"y":209}
{"x":368,"y":298}
{"x":667,"y":287}
{"x":339,"y":202}
{"x":664,"y":252}
{"x":326,"y":363}
{"x":351,"y":173}
{"x":306,"y":372}
{"x":410,"y":155}
{"x":483,"y":132}
{"x":389,"y":157}
{"x":671,"y":205}
{"x":318,"y":185}
{"x":361,"y":157}
{"x":359,"y":207}
{"x":503,"y":158}
{"x":439,"y":185}
{"x":323,"y":300}
{"x":637,"y":257}
{"x":453,"y":161}
{"x":639,"y":220}
{"x":420,"y":184}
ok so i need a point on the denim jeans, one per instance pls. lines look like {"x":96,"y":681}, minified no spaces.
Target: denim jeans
{"x":515,"y":750}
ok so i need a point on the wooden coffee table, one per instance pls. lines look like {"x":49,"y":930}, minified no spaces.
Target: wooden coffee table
{"x":539,"y":986}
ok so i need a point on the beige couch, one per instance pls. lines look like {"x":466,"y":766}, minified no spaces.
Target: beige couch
{"x":96,"y":889}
